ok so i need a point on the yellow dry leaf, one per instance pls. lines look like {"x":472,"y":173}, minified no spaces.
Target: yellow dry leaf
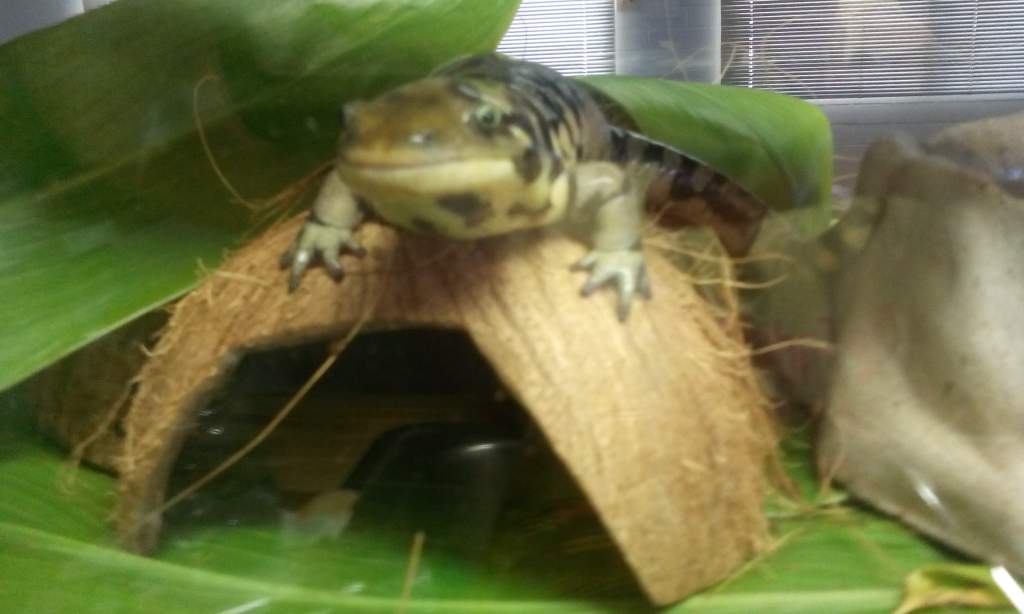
{"x":951,"y":585}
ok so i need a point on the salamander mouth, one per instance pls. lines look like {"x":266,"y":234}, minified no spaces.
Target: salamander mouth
{"x":384,"y":167}
{"x":375,"y":166}
{"x":435,"y":176}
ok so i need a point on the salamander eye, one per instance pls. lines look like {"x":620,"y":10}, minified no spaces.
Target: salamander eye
{"x":487,"y":116}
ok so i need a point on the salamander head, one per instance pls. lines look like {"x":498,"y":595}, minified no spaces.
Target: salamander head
{"x":447,"y":154}
{"x":459,"y":128}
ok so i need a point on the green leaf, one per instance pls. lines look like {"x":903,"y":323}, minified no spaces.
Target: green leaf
{"x":107,"y":201}
{"x":776,"y":146}
{"x":109,"y":206}
{"x":57,"y":553}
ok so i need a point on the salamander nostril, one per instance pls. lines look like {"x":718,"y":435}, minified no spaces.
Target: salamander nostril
{"x":422,"y":137}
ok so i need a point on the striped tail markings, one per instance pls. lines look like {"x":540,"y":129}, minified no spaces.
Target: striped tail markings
{"x":687,"y":192}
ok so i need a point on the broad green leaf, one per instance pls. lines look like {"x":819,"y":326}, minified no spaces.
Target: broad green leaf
{"x":57,"y":553}
{"x":109,"y":205}
{"x":107,"y":201}
{"x":776,"y":146}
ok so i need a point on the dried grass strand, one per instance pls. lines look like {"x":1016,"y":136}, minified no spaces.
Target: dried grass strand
{"x":271,"y":426}
{"x":335,"y":351}
{"x":209,"y":152}
{"x":69,"y":474}
{"x":411,"y":570}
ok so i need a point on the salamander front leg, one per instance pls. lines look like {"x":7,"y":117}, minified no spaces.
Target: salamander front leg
{"x":327,"y":232}
{"x":614,"y":212}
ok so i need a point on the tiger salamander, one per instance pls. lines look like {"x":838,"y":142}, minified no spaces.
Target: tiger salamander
{"x":487,"y":145}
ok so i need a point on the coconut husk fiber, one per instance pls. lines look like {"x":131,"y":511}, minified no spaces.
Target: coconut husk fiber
{"x":81,"y":400}
{"x":659,"y":419}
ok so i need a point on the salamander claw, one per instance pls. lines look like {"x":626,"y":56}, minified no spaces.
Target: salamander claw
{"x":622,"y":268}
{"x":319,"y":241}
{"x":299,"y":262}
{"x":644,"y":287}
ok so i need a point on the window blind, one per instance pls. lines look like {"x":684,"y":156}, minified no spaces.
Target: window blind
{"x":866,"y":48}
{"x":575,"y":37}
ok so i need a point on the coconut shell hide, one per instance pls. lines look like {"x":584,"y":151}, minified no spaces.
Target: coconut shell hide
{"x":659,"y":419}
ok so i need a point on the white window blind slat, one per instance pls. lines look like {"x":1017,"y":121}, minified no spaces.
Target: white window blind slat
{"x":575,"y":37}
{"x":863,"y":48}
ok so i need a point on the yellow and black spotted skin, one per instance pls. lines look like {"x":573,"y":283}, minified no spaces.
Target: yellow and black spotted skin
{"x":489,"y":145}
